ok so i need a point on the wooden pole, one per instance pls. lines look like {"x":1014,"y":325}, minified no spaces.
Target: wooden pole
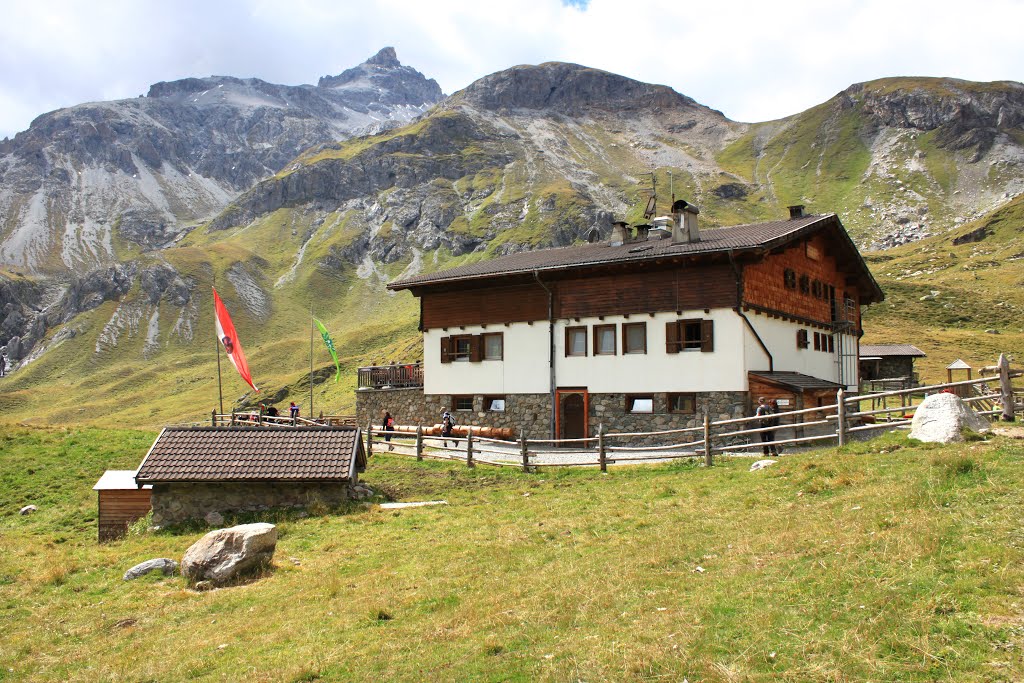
{"x":841,"y":416}
{"x":469,"y":447}
{"x":1005,"y":388}
{"x":311,"y":360}
{"x":708,"y":461}
{"x":602,"y":455}
{"x":419,"y":442}
{"x":213,"y":417}
{"x":369,"y":439}
{"x":524,"y":450}
{"x":217,"y":343}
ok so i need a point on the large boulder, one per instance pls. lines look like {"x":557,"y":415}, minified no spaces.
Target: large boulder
{"x":941,"y":418}
{"x":225,"y":554}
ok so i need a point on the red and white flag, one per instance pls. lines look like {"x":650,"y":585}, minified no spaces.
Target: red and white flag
{"x":229,"y":340}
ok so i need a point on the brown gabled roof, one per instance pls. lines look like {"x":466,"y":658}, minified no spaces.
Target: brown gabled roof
{"x":795,"y":380}
{"x":885,"y":350}
{"x":216,"y":454}
{"x":736,"y":239}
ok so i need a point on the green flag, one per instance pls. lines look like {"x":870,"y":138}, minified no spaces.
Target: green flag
{"x":330,"y":347}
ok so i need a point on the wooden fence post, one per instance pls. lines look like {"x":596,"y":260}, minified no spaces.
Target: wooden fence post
{"x":213,"y":417}
{"x":369,"y":439}
{"x":602,"y":455}
{"x":841,"y":416}
{"x":419,"y":442}
{"x":524,"y":450}
{"x":232,"y":417}
{"x":1005,"y":388}
{"x":707,"y":438}
{"x":469,"y":447}
{"x":259,"y":418}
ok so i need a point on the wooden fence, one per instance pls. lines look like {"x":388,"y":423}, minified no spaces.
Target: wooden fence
{"x":835,"y":423}
{"x":253,"y":418}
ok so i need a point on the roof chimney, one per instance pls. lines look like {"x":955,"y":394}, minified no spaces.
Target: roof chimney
{"x":641,"y":232}
{"x":796,"y":211}
{"x":620,"y":234}
{"x":685,"y":230}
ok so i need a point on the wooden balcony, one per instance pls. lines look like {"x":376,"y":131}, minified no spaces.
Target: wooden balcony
{"x":403,"y":376}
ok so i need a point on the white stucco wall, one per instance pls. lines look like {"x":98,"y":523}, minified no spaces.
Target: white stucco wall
{"x":780,"y":338}
{"x":525,"y":366}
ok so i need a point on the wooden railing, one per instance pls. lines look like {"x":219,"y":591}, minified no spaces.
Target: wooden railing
{"x":253,"y":418}
{"x":835,"y":423}
{"x":405,"y":376}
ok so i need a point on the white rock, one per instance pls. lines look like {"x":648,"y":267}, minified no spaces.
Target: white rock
{"x":941,"y":417}
{"x":29,"y":509}
{"x":761,"y":464}
{"x":162,"y":564}
{"x":224,"y":554}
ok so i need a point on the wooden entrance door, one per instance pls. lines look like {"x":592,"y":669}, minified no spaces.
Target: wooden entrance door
{"x":572,"y":414}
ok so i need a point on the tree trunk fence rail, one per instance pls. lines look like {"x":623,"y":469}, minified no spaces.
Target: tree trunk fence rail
{"x":835,"y":422}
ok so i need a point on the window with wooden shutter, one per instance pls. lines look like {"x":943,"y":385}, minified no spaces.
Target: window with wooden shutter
{"x":801,"y":339}
{"x":789,"y":278}
{"x":476,"y":348}
{"x":817,"y":342}
{"x":690,"y":335}
{"x":805,"y":284}
{"x":446,"y":350}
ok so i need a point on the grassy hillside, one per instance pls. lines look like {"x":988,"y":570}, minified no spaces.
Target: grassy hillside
{"x":883,"y":561}
{"x":955,"y":301}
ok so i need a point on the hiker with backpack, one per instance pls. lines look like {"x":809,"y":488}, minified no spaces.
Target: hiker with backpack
{"x":447,"y":424}
{"x":768,"y":419}
{"x":389,"y":426}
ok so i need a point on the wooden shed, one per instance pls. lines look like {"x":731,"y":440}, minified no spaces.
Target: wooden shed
{"x":121,"y":502}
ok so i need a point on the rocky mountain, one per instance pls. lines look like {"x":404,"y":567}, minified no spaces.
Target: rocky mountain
{"x":98,"y":182}
{"x":530,"y":156}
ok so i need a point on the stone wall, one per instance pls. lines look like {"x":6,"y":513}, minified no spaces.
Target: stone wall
{"x":179,"y":502}
{"x":531,"y":413}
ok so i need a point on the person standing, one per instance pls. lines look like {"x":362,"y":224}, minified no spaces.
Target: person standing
{"x":764,"y":411}
{"x":293,"y":410}
{"x":389,"y":426}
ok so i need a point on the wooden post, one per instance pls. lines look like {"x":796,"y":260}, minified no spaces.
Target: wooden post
{"x":524,"y":450}
{"x":213,"y":417}
{"x":259,"y":419}
{"x":602,"y":455}
{"x":369,"y":439}
{"x":708,"y":461}
{"x":469,"y":447}
{"x":419,"y":442}
{"x":232,"y":417}
{"x":1005,"y":388}
{"x":841,"y":416}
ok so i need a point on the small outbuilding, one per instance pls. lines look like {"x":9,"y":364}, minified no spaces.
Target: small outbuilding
{"x":889,"y":362}
{"x":203,"y":472}
{"x":120,"y":502}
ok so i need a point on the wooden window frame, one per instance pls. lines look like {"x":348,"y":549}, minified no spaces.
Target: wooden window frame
{"x":670,"y":402}
{"x":831,"y":343}
{"x":483,"y":345}
{"x":569,"y":331}
{"x":805,"y":284}
{"x":789,"y":278}
{"x":462,"y":397}
{"x":630,"y":398}
{"x":472,"y":354}
{"x":625,"y":338}
{"x":817,"y":341}
{"x":598,"y":329}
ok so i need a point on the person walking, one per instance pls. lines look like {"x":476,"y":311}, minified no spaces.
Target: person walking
{"x":389,"y":426}
{"x":447,"y":424}
{"x":764,"y":411}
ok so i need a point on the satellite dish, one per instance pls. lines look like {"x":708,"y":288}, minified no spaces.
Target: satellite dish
{"x":649,"y":211}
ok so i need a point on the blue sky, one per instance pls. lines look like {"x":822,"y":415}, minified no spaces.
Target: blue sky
{"x":753,"y":61}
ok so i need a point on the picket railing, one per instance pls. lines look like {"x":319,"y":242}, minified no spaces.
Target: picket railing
{"x":253,"y":418}
{"x":830,"y":423}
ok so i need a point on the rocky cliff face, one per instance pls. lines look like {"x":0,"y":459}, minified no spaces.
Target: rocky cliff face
{"x":83,"y":180}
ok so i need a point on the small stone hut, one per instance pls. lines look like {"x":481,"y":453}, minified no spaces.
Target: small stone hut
{"x":889,"y":362}
{"x":195,"y":471}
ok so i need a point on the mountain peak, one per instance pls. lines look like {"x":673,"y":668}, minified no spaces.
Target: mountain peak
{"x":386,"y":57}
{"x":567,"y":87}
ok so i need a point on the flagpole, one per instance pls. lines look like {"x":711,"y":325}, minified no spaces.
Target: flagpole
{"x":311,"y":360}
{"x":216,"y":342}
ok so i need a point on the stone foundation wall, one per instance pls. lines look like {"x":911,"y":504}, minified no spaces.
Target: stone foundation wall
{"x":531,"y":413}
{"x":176,"y":503}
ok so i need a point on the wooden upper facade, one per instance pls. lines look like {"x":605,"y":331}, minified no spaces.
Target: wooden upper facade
{"x":806,"y":270}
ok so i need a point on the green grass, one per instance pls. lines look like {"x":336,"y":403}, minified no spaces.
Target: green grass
{"x":883,"y":561}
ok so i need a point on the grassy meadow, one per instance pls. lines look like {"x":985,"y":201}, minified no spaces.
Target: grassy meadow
{"x":886,"y":561}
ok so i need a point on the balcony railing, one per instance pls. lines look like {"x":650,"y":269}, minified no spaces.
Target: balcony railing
{"x":404,"y":376}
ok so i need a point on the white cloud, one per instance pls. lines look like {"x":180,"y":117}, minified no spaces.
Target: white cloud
{"x":752,"y":60}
